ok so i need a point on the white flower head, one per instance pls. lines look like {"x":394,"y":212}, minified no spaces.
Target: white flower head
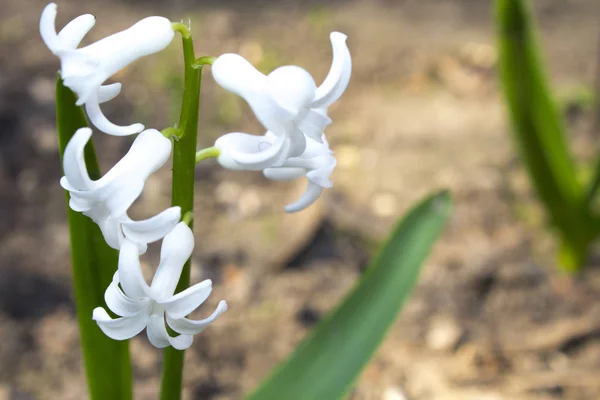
{"x":85,"y":70}
{"x":316,"y":163}
{"x":107,"y":199}
{"x":287,"y":102}
{"x":148,"y":307}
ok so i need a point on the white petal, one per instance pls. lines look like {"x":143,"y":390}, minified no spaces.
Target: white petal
{"x":241,"y":151}
{"x":236,"y":74}
{"x":119,"y":303}
{"x":119,"y":328}
{"x":186,"y":326}
{"x":323,"y":168}
{"x":84,"y":70}
{"x":71,"y":35}
{"x":265,"y":158}
{"x":284,"y":173}
{"x":321,"y":177}
{"x":338,"y":77}
{"x":79,"y":204}
{"x":313,"y":122}
{"x":150,"y":151}
{"x":292,"y":87}
{"x":130,"y":273}
{"x":187,"y":301}
{"x":99,"y":120}
{"x":176,"y":248}
{"x":74,"y":161}
{"x":80,"y":74}
{"x":159,"y":337}
{"x":123,"y":192}
{"x":297,"y":143}
{"x":148,"y":36}
{"x":48,"y":28}
{"x":108,"y":92}
{"x":110,"y":227}
{"x":152,"y":229}
{"x":312,"y":193}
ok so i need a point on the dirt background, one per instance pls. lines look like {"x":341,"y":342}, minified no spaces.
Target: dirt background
{"x":491,"y":318}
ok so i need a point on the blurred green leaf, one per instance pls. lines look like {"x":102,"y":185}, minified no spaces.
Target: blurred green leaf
{"x":107,"y":364}
{"x":327,"y":363}
{"x":539,"y":131}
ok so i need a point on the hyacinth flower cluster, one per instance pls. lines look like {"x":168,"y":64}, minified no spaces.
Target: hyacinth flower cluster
{"x":288,"y":103}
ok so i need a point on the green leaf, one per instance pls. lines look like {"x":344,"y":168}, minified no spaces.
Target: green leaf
{"x":327,"y":363}
{"x":107,"y":363}
{"x":539,"y":131}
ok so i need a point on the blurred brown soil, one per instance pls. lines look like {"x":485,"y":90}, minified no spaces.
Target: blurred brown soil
{"x":491,"y":318}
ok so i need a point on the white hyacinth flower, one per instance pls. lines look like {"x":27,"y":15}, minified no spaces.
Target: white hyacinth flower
{"x":85,"y":70}
{"x":316,"y":163}
{"x":287,"y":102}
{"x":107,"y":199}
{"x":141,"y":306}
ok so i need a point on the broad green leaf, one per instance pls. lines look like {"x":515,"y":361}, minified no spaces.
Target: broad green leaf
{"x":327,"y":363}
{"x":107,"y":363}
{"x":539,"y":131}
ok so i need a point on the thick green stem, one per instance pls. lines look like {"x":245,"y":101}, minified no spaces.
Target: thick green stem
{"x":184,"y":162}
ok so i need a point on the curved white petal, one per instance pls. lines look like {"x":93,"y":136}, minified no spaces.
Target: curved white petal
{"x":119,"y":303}
{"x":121,"y":195}
{"x":338,"y":77}
{"x":187,"y":301}
{"x":79,"y":73}
{"x":150,"y":151}
{"x":120,"y":328}
{"x":113,"y":196}
{"x":284,"y":173}
{"x":99,"y":120}
{"x":130,"y":273}
{"x":159,"y":337}
{"x":292,"y":87}
{"x":297,"y":143}
{"x":321,"y":177}
{"x":110,"y":227}
{"x":237,"y":75}
{"x":108,"y":92}
{"x":74,"y":162}
{"x":72,"y":34}
{"x":264,"y":158}
{"x":176,"y":248}
{"x":313,"y":122}
{"x":148,"y":36}
{"x":312,"y":193}
{"x":48,"y":28}
{"x":241,"y":151}
{"x":152,"y":229}
{"x":186,"y":326}
{"x":79,"y":204}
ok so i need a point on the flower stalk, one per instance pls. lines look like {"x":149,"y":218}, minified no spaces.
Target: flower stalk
{"x":209,"y":152}
{"x":184,"y":162}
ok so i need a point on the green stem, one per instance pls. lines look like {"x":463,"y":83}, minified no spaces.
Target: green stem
{"x":202,"y":61}
{"x":171,"y":132}
{"x":184,"y":162}
{"x":209,"y":152}
{"x":188,"y":218}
